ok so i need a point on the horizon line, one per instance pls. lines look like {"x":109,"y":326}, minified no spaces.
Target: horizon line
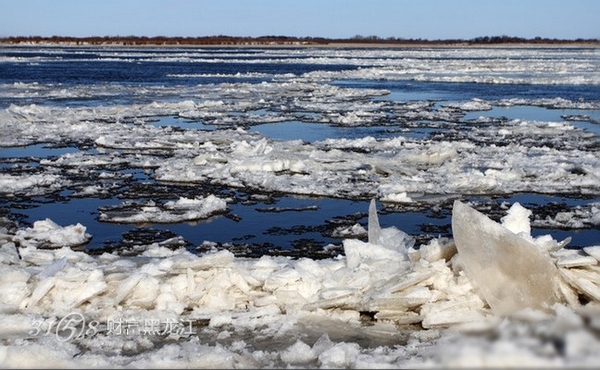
{"x":280,"y":40}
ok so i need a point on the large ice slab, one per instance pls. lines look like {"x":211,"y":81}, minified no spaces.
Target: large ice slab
{"x":48,"y":234}
{"x":508,"y":271}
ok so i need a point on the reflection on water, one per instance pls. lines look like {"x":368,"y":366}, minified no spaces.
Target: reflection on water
{"x":38,"y":151}
{"x":534,"y":113}
{"x":311,"y":132}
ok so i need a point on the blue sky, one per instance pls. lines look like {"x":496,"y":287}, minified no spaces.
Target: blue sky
{"x":426,"y":19}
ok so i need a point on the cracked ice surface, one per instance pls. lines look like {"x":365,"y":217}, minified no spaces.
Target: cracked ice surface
{"x":519,"y":156}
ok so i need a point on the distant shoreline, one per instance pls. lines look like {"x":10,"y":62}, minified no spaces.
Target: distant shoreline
{"x":292,"y":42}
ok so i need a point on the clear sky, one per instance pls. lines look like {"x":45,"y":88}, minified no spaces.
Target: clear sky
{"x":425,"y":19}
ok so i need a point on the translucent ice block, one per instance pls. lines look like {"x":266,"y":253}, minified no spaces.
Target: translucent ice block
{"x":509,"y":272}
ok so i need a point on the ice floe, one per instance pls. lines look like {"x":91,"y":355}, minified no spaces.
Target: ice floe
{"x":48,"y":234}
{"x":181,"y":210}
{"x":578,"y":217}
{"x":520,"y":156}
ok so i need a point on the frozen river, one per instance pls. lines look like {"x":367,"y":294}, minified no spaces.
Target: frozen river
{"x":252,"y":168}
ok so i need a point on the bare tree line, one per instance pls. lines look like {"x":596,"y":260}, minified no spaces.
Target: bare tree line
{"x":278,"y":40}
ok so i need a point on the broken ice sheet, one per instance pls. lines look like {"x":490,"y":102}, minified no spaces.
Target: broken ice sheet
{"x":183,"y":209}
{"x":509,"y":272}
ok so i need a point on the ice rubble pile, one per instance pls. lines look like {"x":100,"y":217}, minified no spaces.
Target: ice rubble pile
{"x":386,"y":277}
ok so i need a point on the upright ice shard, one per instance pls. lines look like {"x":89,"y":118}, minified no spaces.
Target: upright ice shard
{"x":509,"y":272}
{"x":374,"y":230}
{"x":387,"y":237}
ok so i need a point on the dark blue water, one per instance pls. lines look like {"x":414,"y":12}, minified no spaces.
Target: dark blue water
{"x":143,"y":73}
{"x":419,"y":90}
{"x":161,"y":67}
{"x":145,"y":67}
{"x":133,"y":68}
{"x":37,"y":151}
{"x":287,"y":220}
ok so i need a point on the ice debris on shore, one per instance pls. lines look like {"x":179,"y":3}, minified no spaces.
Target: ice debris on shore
{"x":434,"y":289}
